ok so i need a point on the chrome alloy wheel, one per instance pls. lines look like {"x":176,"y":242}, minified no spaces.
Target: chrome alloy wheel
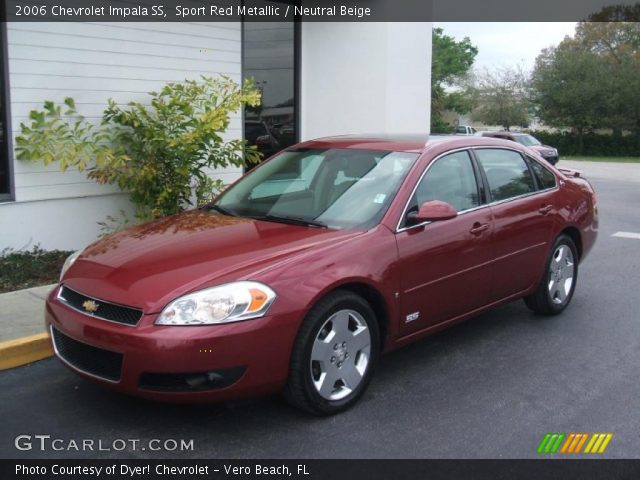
{"x":340,"y":355}
{"x":561,"y":274}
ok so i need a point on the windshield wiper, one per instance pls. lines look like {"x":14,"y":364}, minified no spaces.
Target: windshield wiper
{"x":291,"y":220}
{"x":220,"y":209}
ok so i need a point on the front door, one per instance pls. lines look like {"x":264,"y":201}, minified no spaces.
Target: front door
{"x":445,"y":266}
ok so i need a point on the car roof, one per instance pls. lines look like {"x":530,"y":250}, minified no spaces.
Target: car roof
{"x":417,"y":143}
{"x":504,"y":132}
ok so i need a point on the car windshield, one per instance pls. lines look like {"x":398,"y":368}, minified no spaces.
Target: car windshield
{"x":527,"y":140}
{"x":337,"y":188}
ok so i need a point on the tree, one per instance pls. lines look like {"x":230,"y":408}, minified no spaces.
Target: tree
{"x":501,"y":98}
{"x":617,"y":44}
{"x":592,"y":80}
{"x":451,"y":62}
{"x":569,"y":88}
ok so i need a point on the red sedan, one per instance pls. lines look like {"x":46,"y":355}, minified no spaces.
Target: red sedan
{"x":304,"y":271}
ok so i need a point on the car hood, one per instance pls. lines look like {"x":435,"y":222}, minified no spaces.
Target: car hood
{"x":151,"y":264}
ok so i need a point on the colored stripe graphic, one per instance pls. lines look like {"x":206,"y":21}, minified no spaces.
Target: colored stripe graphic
{"x":581,"y":442}
{"x":556,"y":445}
{"x":551,"y":442}
{"x":544,"y":442}
{"x":570,"y":438}
{"x":598,"y":443}
{"x":574,"y":443}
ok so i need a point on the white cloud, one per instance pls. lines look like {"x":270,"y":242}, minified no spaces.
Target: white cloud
{"x":506,"y":44}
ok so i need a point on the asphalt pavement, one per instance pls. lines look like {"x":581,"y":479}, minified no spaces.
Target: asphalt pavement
{"x":489,"y":388}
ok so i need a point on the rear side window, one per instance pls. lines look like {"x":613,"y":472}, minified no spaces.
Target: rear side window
{"x":546,"y":179}
{"x":507,"y":173}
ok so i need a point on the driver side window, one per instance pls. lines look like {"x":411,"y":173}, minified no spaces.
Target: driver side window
{"x":450,"y":179}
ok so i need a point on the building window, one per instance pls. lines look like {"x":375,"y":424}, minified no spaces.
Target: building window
{"x":5,"y":157}
{"x":269,"y":57}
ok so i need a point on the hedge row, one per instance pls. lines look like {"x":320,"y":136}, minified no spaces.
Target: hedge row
{"x":597,"y":145}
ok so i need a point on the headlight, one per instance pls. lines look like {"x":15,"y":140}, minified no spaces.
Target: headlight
{"x":68,"y":262}
{"x":226,"y":303}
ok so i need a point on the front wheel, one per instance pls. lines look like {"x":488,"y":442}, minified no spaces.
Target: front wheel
{"x":559,"y":281}
{"x":334,"y":354}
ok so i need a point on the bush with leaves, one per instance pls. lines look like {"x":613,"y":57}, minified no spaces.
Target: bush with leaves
{"x":161,"y":153}
{"x":29,"y":268}
{"x":589,"y":144}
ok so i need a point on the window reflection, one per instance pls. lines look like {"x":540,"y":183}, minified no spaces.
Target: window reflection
{"x":507,"y":173}
{"x":4,"y":152}
{"x":269,"y":58}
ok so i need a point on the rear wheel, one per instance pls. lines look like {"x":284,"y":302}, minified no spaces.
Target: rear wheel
{"x":556,"y":288}
{"x":334,"y":355}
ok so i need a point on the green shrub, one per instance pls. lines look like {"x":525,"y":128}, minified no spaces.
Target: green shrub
{"x":25,"y":269}
{"x":160,"y":153}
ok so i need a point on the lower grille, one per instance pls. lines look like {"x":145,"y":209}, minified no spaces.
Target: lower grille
{"x":191,"y":382}
{"x":86,"y":358}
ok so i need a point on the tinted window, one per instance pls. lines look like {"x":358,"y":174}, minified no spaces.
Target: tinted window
{"x":4,"y":130}
{"x":253,"y":130}
{"x":450,"y":179}
{"x":507,"y":173}
{"x":527,"y":140}
{"x":269,"y":58}
{"x":546,"y":179}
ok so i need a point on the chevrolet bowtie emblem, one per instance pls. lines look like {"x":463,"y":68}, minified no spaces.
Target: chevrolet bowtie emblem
{"x":90,"y":306}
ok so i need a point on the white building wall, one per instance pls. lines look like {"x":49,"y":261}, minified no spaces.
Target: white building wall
{"x":92,"y":62}
{"x":365,"y":78}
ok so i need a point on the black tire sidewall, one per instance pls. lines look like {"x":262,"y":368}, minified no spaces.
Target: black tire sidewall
{"x":316,"y":318}
{"x":567,"y":241}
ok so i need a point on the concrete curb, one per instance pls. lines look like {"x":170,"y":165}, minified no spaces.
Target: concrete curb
{"x":21,"y":351}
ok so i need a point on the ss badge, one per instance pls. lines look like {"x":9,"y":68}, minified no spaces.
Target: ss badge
{"x":413,"y":317}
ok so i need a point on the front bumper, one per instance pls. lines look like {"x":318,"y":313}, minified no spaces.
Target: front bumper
{"x":240,"y":359}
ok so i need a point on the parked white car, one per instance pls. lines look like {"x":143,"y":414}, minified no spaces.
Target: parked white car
{"x":465,"y":130}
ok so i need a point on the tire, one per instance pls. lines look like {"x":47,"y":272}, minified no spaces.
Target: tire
{"x":334,"y":355}
{"x":558,"y":283}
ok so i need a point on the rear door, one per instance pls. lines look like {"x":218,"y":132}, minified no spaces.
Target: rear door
{"x":523,"y":220}
{"x":445,"y":266}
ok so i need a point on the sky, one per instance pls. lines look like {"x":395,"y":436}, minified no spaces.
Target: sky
{"x":507,"y":44}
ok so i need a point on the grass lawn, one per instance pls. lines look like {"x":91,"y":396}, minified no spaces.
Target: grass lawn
{"x":26,"y":269}
{"x":603,"y":159}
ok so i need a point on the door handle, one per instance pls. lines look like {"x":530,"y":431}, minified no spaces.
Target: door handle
{"x":545,"y":209}
{"x":478,"y":228}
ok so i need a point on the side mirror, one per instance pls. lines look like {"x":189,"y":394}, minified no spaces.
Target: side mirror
{"x":433,"y":211}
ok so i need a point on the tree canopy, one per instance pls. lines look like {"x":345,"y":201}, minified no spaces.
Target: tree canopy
{"x":592,"y":80}
{"x":501,"y":98}
{"x":451,"y":62}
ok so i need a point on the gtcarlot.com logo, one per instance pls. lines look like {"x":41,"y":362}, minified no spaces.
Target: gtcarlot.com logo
{"x":45,"y":443}
{"x":574,"y":443}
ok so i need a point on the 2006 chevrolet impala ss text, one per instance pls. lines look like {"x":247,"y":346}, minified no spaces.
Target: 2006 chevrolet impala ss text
{"x":303,"y":272}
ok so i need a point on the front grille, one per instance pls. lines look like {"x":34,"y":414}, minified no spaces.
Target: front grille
{"x":104,"y":310}
{"x":86,"y":358}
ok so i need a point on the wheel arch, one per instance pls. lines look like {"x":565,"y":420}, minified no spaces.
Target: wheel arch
{"x":372,"y":295}
{"x":574,"y":234}
{"x":377,"y":302}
